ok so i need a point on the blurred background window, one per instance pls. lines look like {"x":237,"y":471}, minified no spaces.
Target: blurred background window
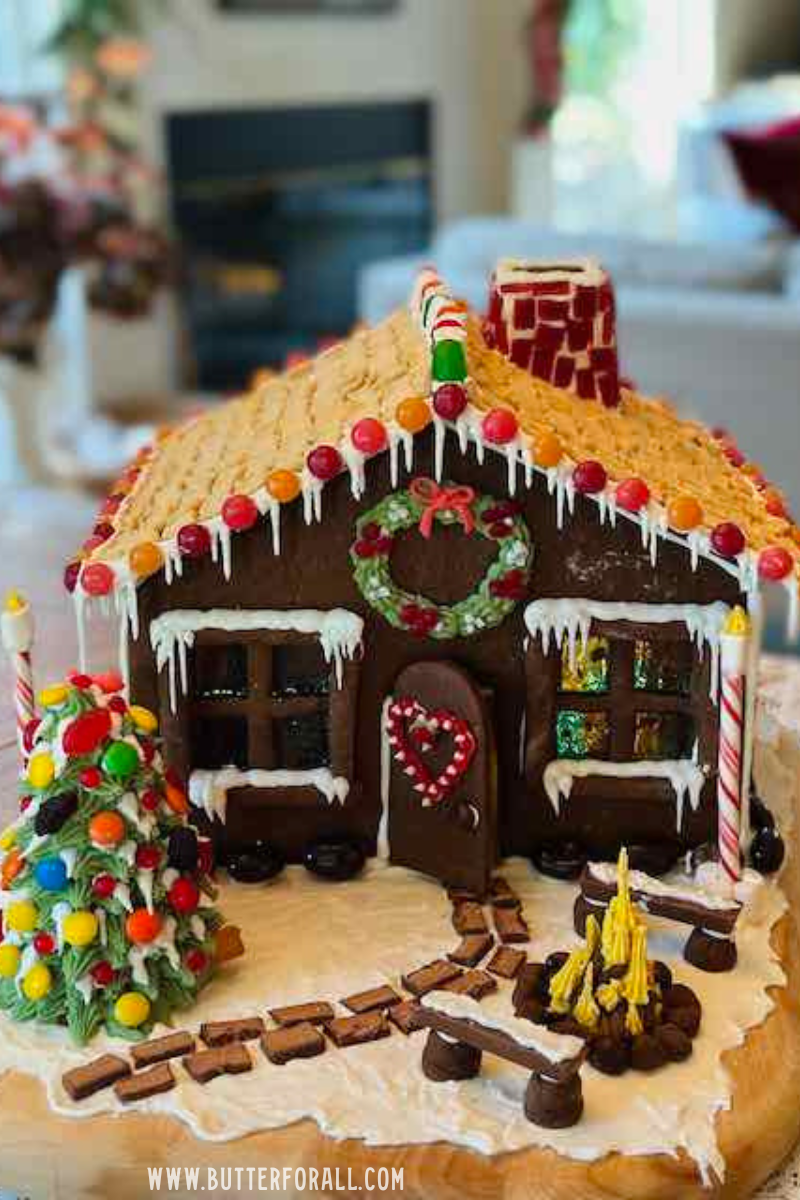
{"x":24,"y":27}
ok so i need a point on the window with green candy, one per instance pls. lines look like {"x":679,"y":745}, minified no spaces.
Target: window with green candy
{"x":582,"y":734}
{"x":586,"y":668}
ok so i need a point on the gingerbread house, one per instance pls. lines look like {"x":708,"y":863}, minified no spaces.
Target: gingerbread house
{"x":451,"y":591}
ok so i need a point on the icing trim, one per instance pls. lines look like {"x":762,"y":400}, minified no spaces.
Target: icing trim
{"x":552,"y":620}
{"x":172,"y":634}
{"x":209,"y":789}
{"x":684,"y":775}
{"x":556,"y":1047}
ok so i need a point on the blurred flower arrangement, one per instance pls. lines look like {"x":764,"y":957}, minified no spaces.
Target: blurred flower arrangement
{"x":74,"y":186}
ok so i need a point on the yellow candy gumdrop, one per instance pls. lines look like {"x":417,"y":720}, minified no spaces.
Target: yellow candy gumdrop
{"x":143,"y":718}
{"x":51,"y":697}
{"x":8,"y":838}
{"x":80,"y":928}
{"x":41,"y":770}
{"x":9,"y":960}
{"x":22,"y":916}
{"x":132,"y":1009}
{"x":38,"y":982}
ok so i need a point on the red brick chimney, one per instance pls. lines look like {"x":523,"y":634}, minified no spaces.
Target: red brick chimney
{"x":558,"y":321}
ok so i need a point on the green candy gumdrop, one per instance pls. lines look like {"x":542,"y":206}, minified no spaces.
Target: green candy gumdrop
{"x":449,"y":362}
{"x":120,"y":761}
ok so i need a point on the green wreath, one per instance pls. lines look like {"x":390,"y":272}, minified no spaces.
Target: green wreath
{"x":495,"y":597}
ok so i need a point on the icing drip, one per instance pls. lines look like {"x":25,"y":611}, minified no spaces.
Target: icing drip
{"x":163,"y":944}
{"x":59,"y":914}
{"x":69,"y":857}
{"x":172,"y":634}
{"x":209,"y":789}
{"x":84,"y":986}
{"x":554,"y":1046}
{"x":129,"y":807}
{"x":102,"y":927}
{"x":145,"y":880}
{"x":123,"y":893}
{"x":28,"y":959}
{"x":685,"y":777}
{"x":553,"y":620}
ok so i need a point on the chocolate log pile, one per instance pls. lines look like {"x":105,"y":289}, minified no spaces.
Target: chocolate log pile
{"x":626,"y":1007}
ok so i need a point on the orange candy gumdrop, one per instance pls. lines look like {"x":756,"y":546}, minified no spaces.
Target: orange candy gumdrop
{"x":176,"y":799}
{"x":13,"y":865}
{"x":684,"y":513}
{"x":107,"y":828}
{"x":547,"y":450}
{"x":142,"y":926}
{"x":145,"y":559}
{"x":283,"y":486}
{"x":413,"y":414}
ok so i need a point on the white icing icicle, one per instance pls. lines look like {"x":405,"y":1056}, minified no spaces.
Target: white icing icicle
{"x":163,"y":944}
{"x":685,"y":776}
{"x":172,"y":634}
{"x":555,"y":620}
{"x":209,"y":789}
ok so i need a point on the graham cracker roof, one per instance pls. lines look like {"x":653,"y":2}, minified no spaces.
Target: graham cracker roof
{"x":232,"y":449}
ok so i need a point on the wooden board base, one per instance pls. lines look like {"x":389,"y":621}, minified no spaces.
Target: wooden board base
{"x":44,"y":1155}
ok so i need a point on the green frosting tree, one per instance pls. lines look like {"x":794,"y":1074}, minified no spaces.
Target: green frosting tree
{"x":107,"y":916}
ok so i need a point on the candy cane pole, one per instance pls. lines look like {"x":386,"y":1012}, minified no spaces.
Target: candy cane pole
{"x":16,"y":628}
{"x":733,"y":670}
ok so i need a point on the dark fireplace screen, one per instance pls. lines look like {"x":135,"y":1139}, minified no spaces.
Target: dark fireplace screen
{"x":276,"y":211}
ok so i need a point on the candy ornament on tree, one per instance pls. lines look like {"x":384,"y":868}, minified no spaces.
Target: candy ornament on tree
{"x":101,"y":930}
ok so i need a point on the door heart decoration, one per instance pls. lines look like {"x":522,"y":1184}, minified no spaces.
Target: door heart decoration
{"x":406,"y":714}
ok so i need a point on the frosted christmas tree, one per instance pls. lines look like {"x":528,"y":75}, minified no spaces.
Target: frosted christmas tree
{"x":108,"y":918}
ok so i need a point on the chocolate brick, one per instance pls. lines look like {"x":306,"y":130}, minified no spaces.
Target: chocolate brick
{"x":468,"y":918}
{"x":223,"y":1033}
{"x":506,"y":962}
{"x":433,"y":975}
{"x":316,"y":1012}
{"x":510,"y":925}
{"x":82,"y":1082}
{"x":502,"y":895}
{"x":157,"y":1050}
{"x":374,"y":998}
{"x":475,"y":983}
{"x":292,"y":1041}
{"x":355,"y":1031}
{"x":471,"y":949}
{"x":205,"y":1065}
{"x":153,"y":1082}
{"x":402,"y":1016}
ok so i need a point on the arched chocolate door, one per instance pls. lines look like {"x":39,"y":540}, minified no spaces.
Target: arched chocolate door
{"x":441,"y":804}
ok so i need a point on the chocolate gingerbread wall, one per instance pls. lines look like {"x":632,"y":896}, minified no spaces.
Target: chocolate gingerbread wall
{"x":584,"y":559}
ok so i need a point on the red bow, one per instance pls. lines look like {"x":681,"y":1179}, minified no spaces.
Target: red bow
{"x":435,"y":499}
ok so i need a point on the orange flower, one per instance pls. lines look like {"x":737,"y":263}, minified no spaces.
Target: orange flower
{"x":17,"y":125}
{"x":123,"y":58}
{"x":81,"y":85}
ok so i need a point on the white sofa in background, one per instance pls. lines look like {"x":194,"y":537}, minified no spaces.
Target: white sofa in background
{"x":714,"y":327}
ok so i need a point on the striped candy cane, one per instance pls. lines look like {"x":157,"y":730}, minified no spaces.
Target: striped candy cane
{"x":733,"y":670}
{"x":17,"y":637}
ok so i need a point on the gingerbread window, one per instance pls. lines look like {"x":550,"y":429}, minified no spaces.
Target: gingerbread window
{"x":262,"y":700}
{"x":617,"y":691}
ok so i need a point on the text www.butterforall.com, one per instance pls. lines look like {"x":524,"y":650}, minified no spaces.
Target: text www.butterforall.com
{"x":244,"y":1180}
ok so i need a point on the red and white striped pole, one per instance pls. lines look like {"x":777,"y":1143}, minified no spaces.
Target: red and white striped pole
{"x":16,"y":626}
{"x":733,"y":670}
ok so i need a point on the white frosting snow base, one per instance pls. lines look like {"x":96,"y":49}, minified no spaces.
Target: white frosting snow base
{"x":307,"y":939}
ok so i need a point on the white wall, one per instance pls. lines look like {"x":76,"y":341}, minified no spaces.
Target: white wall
{"x":466,"y":55}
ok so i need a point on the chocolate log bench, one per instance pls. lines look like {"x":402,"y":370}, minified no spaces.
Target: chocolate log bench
{"x":461,"y":1032}
{"x":709,"y":947}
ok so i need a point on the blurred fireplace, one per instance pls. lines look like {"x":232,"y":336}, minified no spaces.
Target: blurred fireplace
{"x":276,"y":211}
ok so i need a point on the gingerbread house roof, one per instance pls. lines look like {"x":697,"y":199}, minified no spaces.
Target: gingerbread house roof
{"x":187,"y":476}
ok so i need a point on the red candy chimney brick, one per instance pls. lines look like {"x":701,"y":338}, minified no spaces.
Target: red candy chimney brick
{"x":558,"y":321}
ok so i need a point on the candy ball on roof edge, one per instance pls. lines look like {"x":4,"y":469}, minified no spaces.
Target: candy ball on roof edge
{"x":589,"y":477}
{"x":283,"y":486}
{"x":97,"y":579}
{"x":684,"y":513}
{"x":194,"y":541}
{"x":449,"y":401}
{"x":775,"y":563}
{"x":145,"y":559}
{"x":632,"y":494}
{"x":727,"y":539}
{"x":369,"y":435}
{"x":239,"y":512}
{"x":324,"y":462}
{"x":413,"y":414}
{"x":500,"y":426}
